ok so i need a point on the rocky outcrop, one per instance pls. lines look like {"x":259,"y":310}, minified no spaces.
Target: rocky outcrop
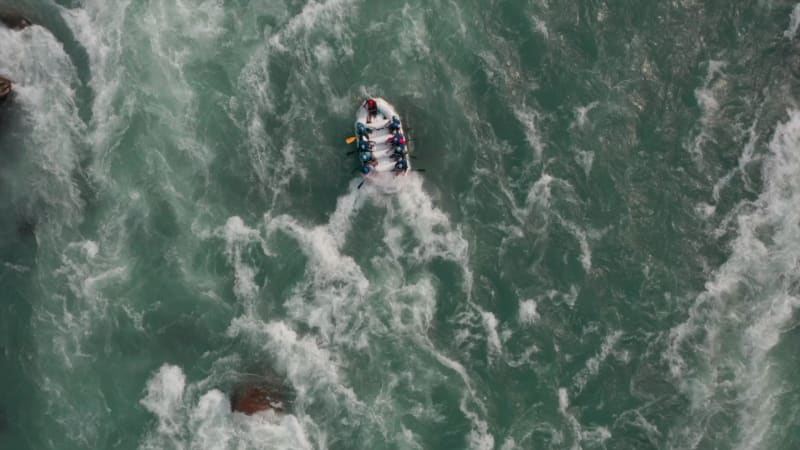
{"x":252,"y":397}
{"x":14,"y":20}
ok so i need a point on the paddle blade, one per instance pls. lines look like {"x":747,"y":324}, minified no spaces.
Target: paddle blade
{"x":361,"y":184}
{"x":351,"y":139}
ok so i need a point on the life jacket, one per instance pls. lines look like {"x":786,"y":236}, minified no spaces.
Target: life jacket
{"x":401,"y":165}
{"x":362,"y":130}
{"x":366,"y":156}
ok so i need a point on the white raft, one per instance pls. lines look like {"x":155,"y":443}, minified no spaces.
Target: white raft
{"x":383,"y":174}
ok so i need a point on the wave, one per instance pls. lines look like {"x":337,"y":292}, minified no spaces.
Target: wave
{"x":722,"y":355}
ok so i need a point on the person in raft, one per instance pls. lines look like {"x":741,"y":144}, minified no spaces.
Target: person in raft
{"x":400,"y":167}
{"x":400,"y":151}
{"x":368,"y":158}
{"x":396,"y":138}
{"x":394,"y":125}
{"x":372,"y":109}
{"x":364,"y":145}
{"x":362,"y":130}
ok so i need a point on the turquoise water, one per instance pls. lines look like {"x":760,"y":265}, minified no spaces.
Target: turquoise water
{"x":602,"y":251}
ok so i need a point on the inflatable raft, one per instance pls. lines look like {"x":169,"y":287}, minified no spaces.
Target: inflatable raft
{"x":383,"y":173}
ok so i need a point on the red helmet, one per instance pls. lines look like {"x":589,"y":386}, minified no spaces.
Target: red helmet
{"x":402,"y":140}
{"x":371,"y":102}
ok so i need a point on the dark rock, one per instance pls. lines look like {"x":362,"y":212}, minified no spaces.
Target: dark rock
{"x":5,"y":88}
{"x":255,"y":396}
{"x":14,"y":20}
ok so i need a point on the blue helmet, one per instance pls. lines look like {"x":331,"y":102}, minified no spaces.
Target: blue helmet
{"x":365,"y":169}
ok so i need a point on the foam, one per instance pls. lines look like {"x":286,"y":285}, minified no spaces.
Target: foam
{"x":540,"y":193}
{"x":651,"y":431}
{"x":192,"y":417}
{"x":540,"y":197}
{"x":509,"y":444}
{"x":794,"y":23}
{"x":435,"y":236}
{"x":583,"y":242}
{"x":420,"y":310}
{"x":43,"y":78}
{"x":237,"y":239}
{"x":332,"y":11}
{"x":541,"y":27}
{"x":529,"y":119}
{"x":479,"y":437}
{"x":733,"y":325}
{"x":563,"y":400}
{"x":594,"y":435}
{"x":527,"y":312}
{"x":115,"y":60}
{"x":493,"y":339}
{"x":103,"y":44}
{"x":748,"y":153}
{"x":86,"y":270}
{"x":585,"y":159}
{"x":334,"y":284}
{"x":592,"y":367}
{"x":707,"y":97}
{"x":581,"y":114}
{"x":164,"y":398}
{"x":413,"y":34}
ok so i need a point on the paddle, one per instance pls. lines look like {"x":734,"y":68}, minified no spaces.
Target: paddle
{"x":361,"y":184}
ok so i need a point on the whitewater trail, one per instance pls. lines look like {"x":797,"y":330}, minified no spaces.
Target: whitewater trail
{"x":340,"y":306}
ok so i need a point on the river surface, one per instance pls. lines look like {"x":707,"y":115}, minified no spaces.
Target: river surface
{"x":601,"y":251}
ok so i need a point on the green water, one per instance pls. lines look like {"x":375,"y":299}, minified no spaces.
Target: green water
{"x":601,"y":253}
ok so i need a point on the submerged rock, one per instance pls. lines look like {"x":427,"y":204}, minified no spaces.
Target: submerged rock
{"x":15,"y":21}
{"x":252,"y":397}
